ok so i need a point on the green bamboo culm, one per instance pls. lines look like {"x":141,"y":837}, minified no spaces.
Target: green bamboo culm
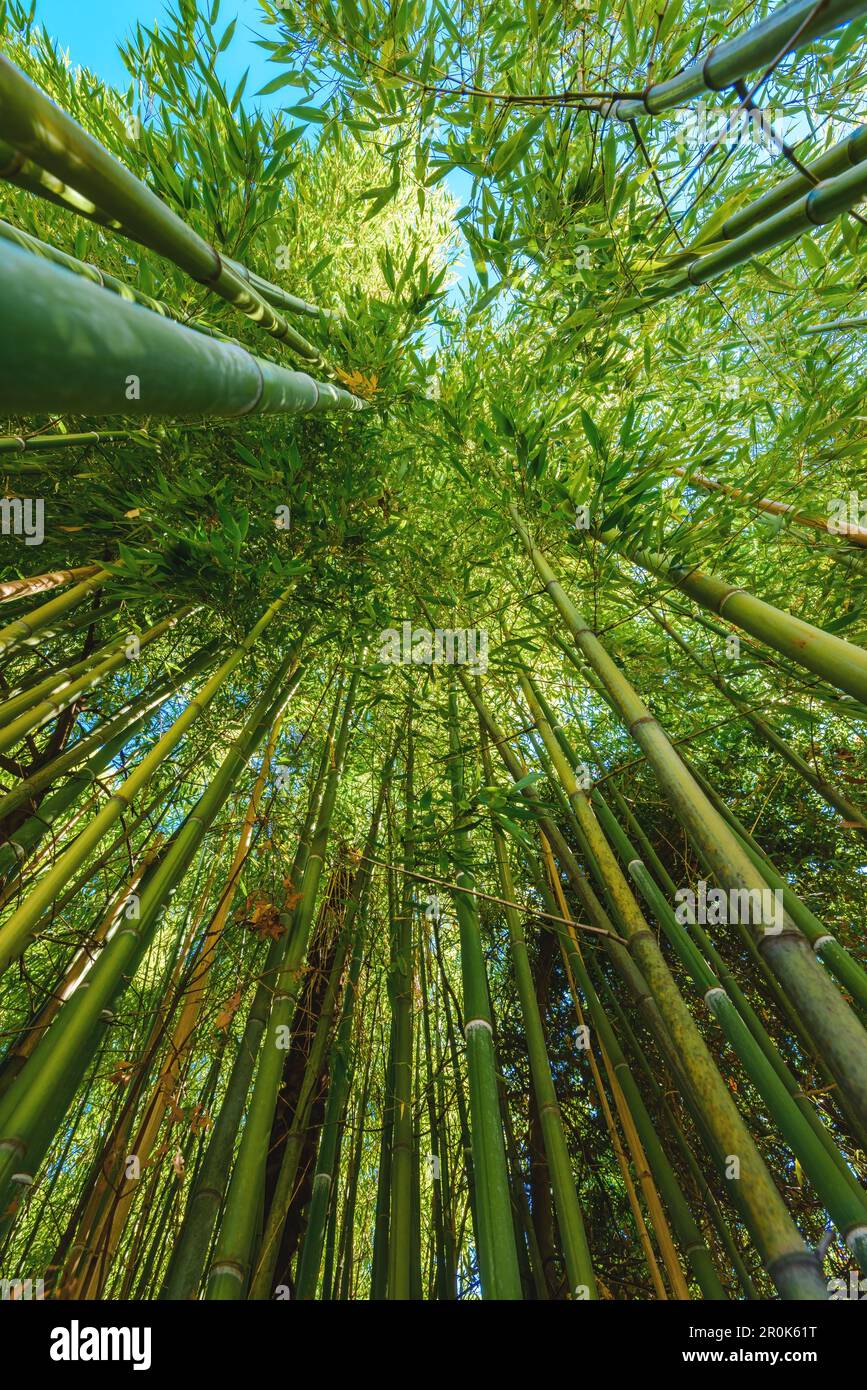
{"x":92,"y":755}
{"x":846,"y":153}
{"x":189,"y":1258}
{"x":498,"y":1261}
{"x":840,"y":663}
{"x":444,"y":1283}
{"x":31,"y":688}
{"x":827,"y":948}
{"x":38,"y":129}
{"x":36,"y":1101}
{"x":689,"y":1235}
{"x":17,"y":721}
{"x":837,"y":1187}
{"x":811,"y":212}
{"x":828,"y":791}
{"x":788,"y":1262}
{"x":785,"y":949}
{"x":180,"y":373}
{"x":230,"y":1266}
{"x":787,"y":29}
{"x":341,"y":1066}
{"x":576,"y":1253}
{"x":43,"y":443}
{"x":16,"y":237}
{"x":709,"y":980}
{"x":26,"y":629}
{"x":400,"y":1246}
{"x":16,"y":932}
{"x":518,"y":959}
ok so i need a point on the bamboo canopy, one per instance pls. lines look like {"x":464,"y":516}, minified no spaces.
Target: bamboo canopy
{"x":433,"y":735}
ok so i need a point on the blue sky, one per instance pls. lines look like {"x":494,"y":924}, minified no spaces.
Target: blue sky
{"x":91,"y":31}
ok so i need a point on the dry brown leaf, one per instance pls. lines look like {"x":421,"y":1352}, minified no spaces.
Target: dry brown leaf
{"x":265,"y":920}
{"x":228,"y":1011}
{"x":174,"y":1113}
{"x":200,"y":1120}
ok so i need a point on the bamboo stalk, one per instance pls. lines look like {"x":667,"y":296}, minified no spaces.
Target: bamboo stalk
{"x":785,"y":1256}
{"x":184,"y":1029}
{"x":38,"y":129}
{"x":230,"y":1265}
{"x":498,"y":1262}
{"x":809,"y":1141}
{"x":95,"y":1246}
{"x":37,"y":1100}
{"x":24,"y":629}
{"x":651,"y":1196}
{"x":39,"y":583}
{"x":69,"y":693}
{"x":829,"y":793}
{"x":16,"y":932}
{"x":582,"y":1283}
{"x":191,"y":1251}
{"x":827,"y":948}
{"x":786,"y":951}
{"x":79,"y":968}
{"x":852,"y":149}
{"x":837,"y":325}
{"x":341,"y":1073}
{"x":401,"y":1263}
{"x":17,"y":237}
{"x":127,"y":360}
{"x":786,"y":30}
{"x":35,"y":683}
{"x":857,"y":535}
{"x":92,"y":755}
{"x":811,"y":212}
{"x":649,"y":890}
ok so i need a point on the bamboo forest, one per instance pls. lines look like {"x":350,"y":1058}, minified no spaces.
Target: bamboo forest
{"x":433,"y":653}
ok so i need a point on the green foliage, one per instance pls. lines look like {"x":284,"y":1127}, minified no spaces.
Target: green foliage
{"x":508,"y":354}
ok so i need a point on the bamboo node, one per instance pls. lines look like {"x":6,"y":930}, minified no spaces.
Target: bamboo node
{"x":715,"y":992}
{"x":793,"y":1260}
{"x":729,"y":593}
{"x":645,"y":719}
{"x":704,"y":72}
{"x":212,"y":279}
{"x":477,"y":1023}
{"x":808,"y":205}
